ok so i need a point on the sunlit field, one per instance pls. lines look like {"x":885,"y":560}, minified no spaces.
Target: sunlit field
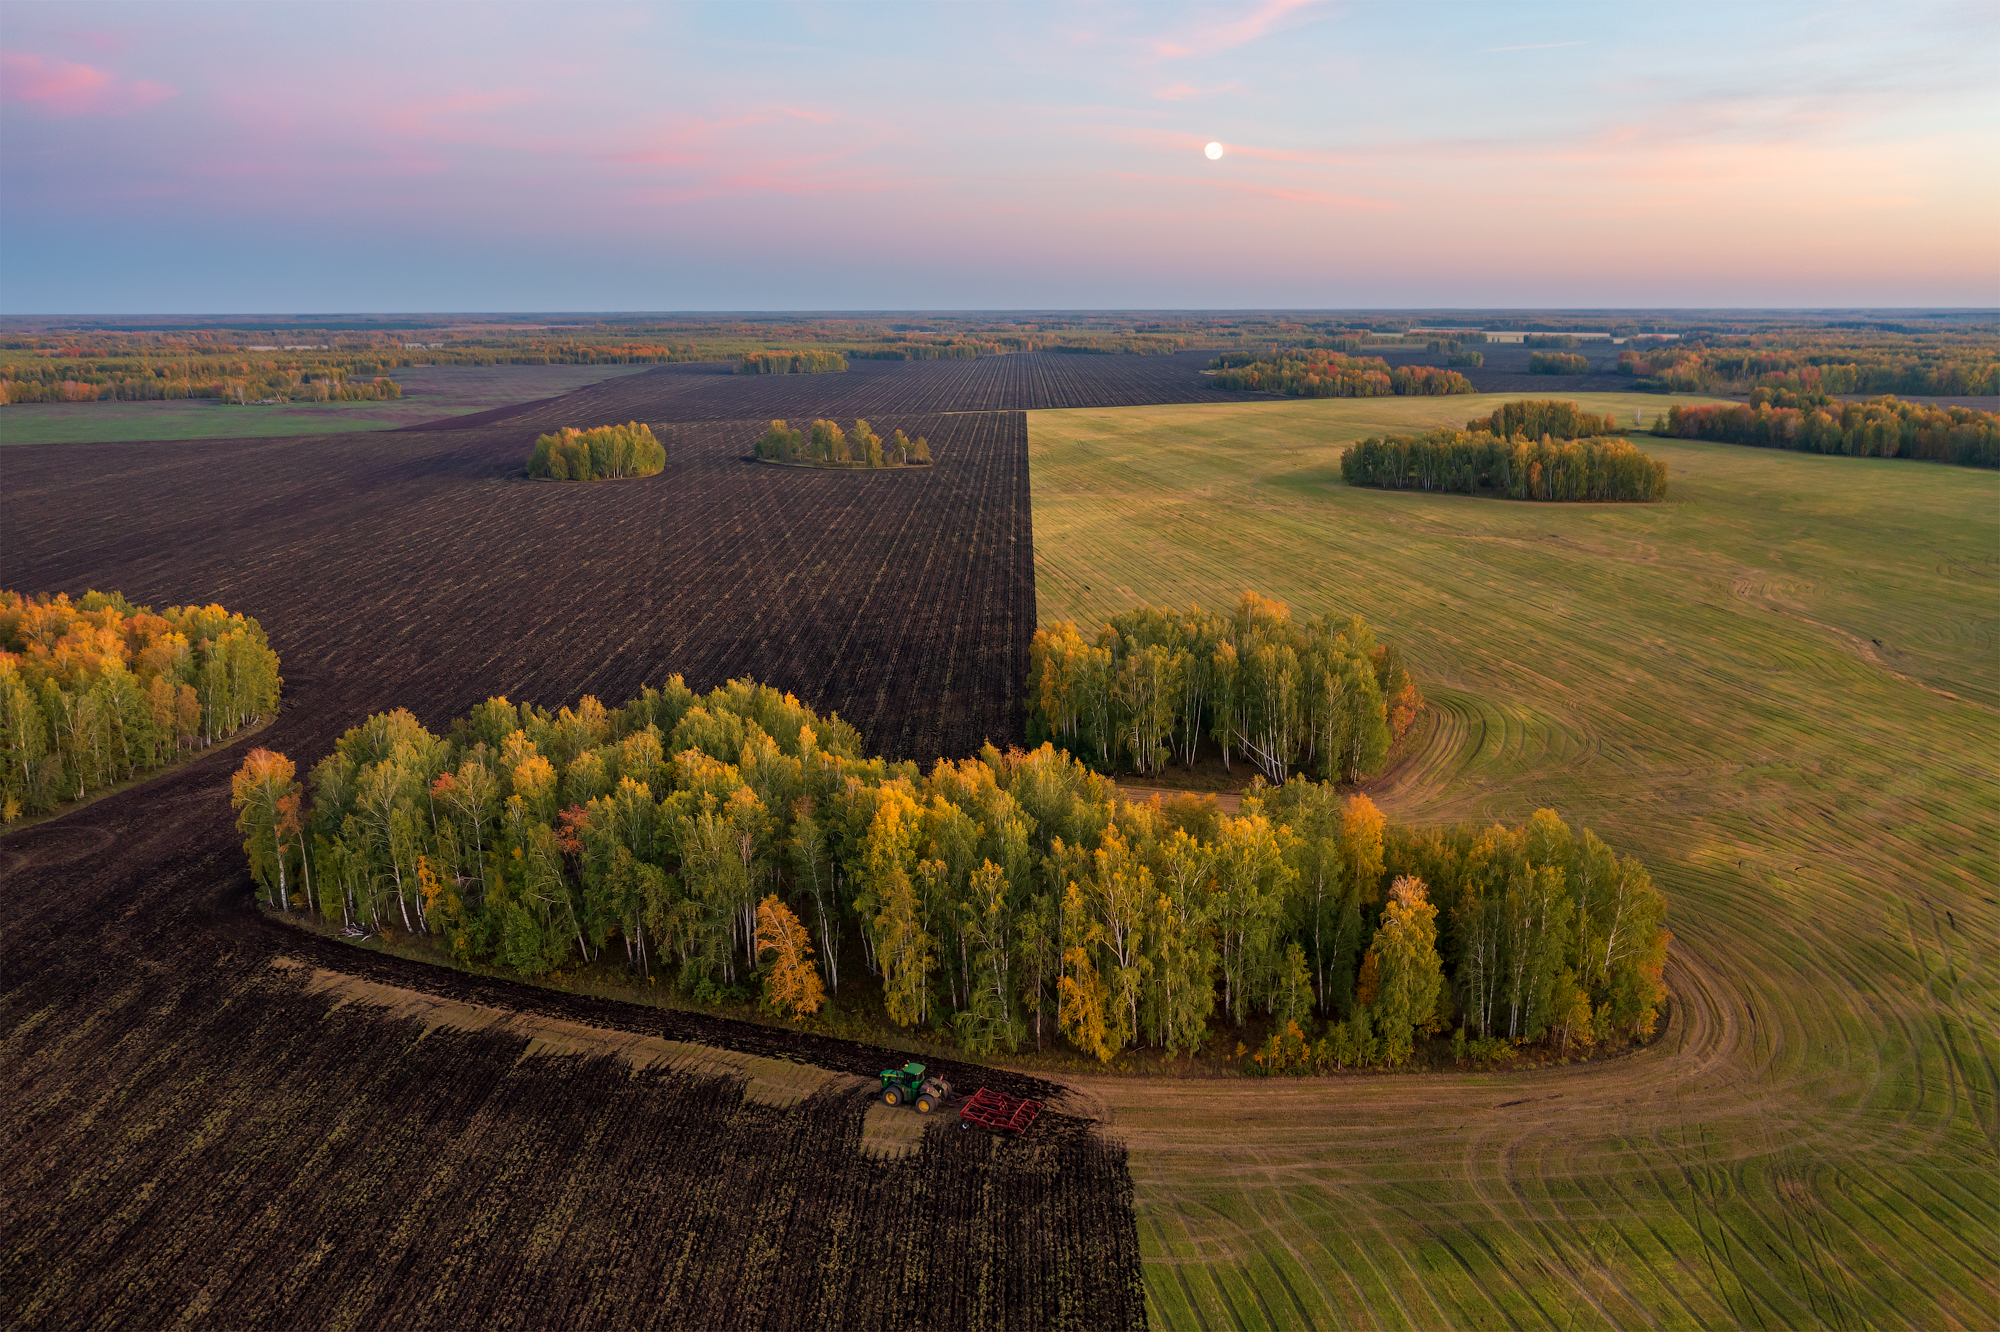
{"x":1780,"y":689}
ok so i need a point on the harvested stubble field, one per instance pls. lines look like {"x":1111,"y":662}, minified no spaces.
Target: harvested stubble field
{"x":1779,"y":689}
{"x":202,"y":1135}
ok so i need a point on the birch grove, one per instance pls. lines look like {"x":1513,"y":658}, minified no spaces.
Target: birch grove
{"x":97,"y":691}
{"x":1317,"y":696}
{"x":738,"y":845}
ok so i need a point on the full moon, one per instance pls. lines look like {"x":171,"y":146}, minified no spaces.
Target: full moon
{"x":1214,"y":150}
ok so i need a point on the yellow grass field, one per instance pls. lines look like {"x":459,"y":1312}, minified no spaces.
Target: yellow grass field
{"x":1782,"y":689}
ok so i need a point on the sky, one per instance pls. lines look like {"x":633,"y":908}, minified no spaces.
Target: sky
{"x":327,"y":157}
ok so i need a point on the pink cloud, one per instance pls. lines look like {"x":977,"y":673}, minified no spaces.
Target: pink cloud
{"x":63,"y":88}
{"x":1209,"y":39}
{"x":1179,"y":92}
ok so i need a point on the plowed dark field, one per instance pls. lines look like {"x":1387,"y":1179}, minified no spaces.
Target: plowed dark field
{"x":197,"y":1136}
{"x":1031,"y":382}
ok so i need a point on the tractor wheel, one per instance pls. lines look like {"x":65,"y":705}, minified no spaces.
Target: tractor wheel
{"x":925,"y":1104}
{"x":892,"y":1096}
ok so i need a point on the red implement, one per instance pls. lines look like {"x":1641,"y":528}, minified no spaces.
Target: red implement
{"x":998,"y":1111}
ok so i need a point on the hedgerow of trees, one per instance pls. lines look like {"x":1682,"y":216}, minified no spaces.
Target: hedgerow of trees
{"x":1461,"y":462}
{"x":1312,"y":373}
{"x":724,"y":843}
{"x":599,"y":454}
{"x":1557,"y":363}
{"x":1157,"y":684}
{"x":791,"y":363}
{"x":97,"y":691}
{"x":830,"y":446}
{"x":1883,"y":427}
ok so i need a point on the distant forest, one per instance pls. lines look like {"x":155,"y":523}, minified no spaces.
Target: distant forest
{"x":99,"y":691}
{"x":1821,"y":362}
{"x":718,"y":843}
{"x":1728,"y":352}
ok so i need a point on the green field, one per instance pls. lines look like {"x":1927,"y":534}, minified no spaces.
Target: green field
{"x":430,"y":393}
{"x":1782,"y":690}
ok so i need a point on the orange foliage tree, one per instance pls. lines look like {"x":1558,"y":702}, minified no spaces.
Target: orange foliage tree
{"x":792,"y":986}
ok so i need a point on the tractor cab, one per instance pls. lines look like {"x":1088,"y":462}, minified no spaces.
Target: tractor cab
{"x":908,"y":1086}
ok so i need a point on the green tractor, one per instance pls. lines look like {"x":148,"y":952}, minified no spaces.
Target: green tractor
{"x":908,"y":1086}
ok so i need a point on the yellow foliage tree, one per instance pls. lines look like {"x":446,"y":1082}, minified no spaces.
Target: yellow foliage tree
{"x":258,"y":790}
{"x":1080,"y":992}
{"x":793,"y":986}
{"x":1409,"y":969}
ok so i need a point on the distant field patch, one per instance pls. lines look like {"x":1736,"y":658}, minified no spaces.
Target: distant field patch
{"x":429,"y":393}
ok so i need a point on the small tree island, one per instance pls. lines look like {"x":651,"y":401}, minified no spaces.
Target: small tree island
{"x":604,"y":453}
{"x":830,"y":446}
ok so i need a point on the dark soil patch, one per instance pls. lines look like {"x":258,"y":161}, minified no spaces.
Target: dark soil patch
{"x":197,"y":1137}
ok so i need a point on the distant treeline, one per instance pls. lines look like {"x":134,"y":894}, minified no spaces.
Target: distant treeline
{"x":1557,"y":363}
{"x":1312,"y":373}
{"x":601,"y":453}
{"x":830,"y":446}
{"x":1317,"y":695}
{"x":98,"y":691}
{"x":1882,"y":427}
{"x":791,"y":363}
{"x":226,"y":381}
{"x":1822,"y":363}
{"x":724,"y":843}
{"x":926,"y":351}
{"x":300,"y":375}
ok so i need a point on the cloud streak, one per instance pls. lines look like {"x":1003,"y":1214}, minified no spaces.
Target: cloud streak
{"x":1209,"y":39}
{"x":695,"y":155}
{"x":64,"y":88}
